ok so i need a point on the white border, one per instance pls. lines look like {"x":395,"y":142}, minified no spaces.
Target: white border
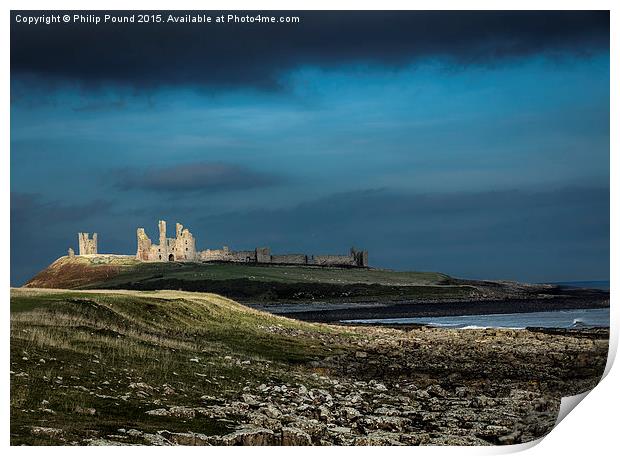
{"x":591,"y":429}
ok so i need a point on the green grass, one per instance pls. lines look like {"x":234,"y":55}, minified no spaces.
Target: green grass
{"x":83,"y":349}
{"x":250,"y":282}
{"x":274,"y":273}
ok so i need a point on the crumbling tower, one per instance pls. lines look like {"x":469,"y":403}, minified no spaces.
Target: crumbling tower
{"x":144,"y":245}
{"x":162,"y":232}
{"x":88,"y":246}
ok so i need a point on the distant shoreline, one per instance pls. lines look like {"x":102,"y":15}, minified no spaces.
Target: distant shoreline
{"x":434,"y":309}
{"x":592,"y":284}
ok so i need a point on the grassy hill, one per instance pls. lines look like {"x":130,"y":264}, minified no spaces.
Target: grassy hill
{"x":78,"y":271}
{"x":72,"y":350}
{"x":248,"y":282}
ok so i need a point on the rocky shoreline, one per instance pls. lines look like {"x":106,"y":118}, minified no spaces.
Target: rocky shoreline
{"x":179,"y":368}
{"x":421,"y":386}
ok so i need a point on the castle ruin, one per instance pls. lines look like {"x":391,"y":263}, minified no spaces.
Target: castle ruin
{"x":87,"y":245}
{"x":182,"y":248}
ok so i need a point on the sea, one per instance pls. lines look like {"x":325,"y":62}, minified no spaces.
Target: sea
{"x":596,"y":284}
{"x":575,"y":318}
{"x":578,"y":318}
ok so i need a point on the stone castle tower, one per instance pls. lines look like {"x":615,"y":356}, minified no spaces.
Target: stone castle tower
{"x":182,"y":247}
{"x":88,"y":246}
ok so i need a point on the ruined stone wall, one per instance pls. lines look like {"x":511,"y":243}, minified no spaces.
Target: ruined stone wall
{"x":360,"y":257}
{"x":263,"y":255}
{"x":364,"y":261}
{"x":183,"y":248}
{"x":243,"y":256}
{"x":87,"y":245}
{"x":222,"y":254}
{"x":293,"y":258}
{"x":334,"y":260}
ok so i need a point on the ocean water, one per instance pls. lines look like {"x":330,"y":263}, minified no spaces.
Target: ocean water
{"x":577,"y":318}
{"x":597,"y":284}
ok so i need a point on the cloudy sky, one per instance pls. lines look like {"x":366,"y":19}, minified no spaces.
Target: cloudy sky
{"x":475,"y":143}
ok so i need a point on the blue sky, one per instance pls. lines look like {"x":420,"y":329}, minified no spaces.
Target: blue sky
{"x":494,"y":170}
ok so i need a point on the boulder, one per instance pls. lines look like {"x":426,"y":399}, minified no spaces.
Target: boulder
{"x":295,"y":437}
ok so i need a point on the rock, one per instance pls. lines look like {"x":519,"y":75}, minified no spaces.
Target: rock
{"x":378,"y":438}
{"x":47,"y":431}
{"x":295,"y":437}
{"x":324,"y":413}
{"x":339,"y":430}
{"x":349,"y":413}
{"x":303,"y":407}
{"x":457,"y":440}
{"x":386,"y":423}
{"x":158,"y":412}
{"x":104,"y":442}
{"x":141,"y":385}
{"x":361,"y":354}
{"x":270,"y":411}
{"x":315,"y":429}
{"x":156,"y":439}
{"x":386,"y":411}
{"x":462,"y":392}
{"x":168,"y":390}
{"x":248,"y":436}
{"x":380,"y":387}
{"x":186,"y":438}
{"x":353,"y":398}
{"x":421,"y":395}
{"x":250,"y":400}
{"x":178,"y":411}
{"x":482,"y":402}
{"x":436,"y":391}
{"x":325,"y":396}
{"x":85,"y":410}
{"x":511,"y":439}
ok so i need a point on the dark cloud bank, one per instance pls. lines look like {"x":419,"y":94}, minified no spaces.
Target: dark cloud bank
{"x":256,"y":55}
{"x":523,"y":235}
{"x":194,"y":177}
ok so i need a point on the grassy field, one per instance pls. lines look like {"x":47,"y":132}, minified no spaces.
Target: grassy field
{"x":283,"y":274}
{"x":87,"y":271}
{"x":73,"y":352}
{"x":248,"y":282}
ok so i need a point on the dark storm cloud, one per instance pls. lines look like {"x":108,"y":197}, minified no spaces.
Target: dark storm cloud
{"x":32,"y":208}
{"x":194,"y":177}
{"x":256,"y":55}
